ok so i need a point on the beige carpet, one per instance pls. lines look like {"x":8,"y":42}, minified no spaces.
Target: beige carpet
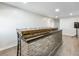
{"x":70,"y":47}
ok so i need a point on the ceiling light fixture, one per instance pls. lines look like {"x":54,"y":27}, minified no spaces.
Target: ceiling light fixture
{"x":70,"y":14}
{"x":24,"y":2}
{"x":57,"y":10}
{"x":56,"y":16}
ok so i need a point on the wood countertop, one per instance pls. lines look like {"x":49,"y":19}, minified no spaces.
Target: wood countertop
{"x":34,"y":38}
{"x":32,"y":35}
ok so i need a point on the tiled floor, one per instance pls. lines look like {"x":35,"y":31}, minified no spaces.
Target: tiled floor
{"x":70,"y":47}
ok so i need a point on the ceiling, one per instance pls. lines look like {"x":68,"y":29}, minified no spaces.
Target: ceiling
{"x":48,"y":8}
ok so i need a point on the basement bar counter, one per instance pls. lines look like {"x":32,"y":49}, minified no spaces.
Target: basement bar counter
{"x":44,"y":43}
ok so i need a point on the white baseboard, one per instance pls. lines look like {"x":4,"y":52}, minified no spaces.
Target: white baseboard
{"x":9,"y":46}
{"x":68,"y":34}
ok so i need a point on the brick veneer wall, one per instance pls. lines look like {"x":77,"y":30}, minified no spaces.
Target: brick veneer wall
{"x":44,"y":46}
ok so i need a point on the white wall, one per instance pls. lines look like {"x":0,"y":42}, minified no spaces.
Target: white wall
{"x":57,"y":23}
{"x":67,"y":25}
{"x":12,"y":19}
{"x":54,"y":23}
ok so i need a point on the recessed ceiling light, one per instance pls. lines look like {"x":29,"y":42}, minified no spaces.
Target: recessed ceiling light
{"x":24,"y":2}
{"x":70,"y":14}
{"x":57,"y":10}
{"x":56,"y":16}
